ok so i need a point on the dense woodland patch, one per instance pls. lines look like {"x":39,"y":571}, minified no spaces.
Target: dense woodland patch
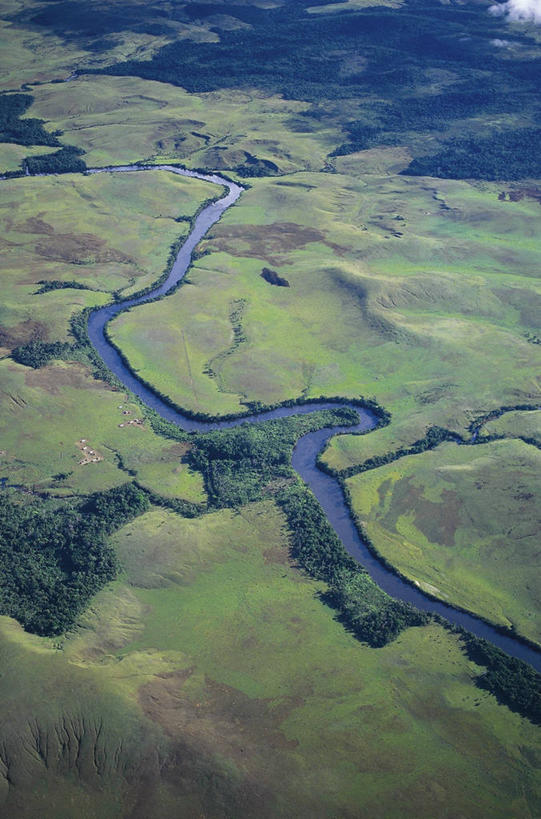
{"x":55,"y":559}
{"x":22,"y":131}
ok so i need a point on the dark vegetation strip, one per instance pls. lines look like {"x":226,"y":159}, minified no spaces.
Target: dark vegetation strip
{"x":510,"y":155}
{"x":31,"y":132}
{"x":56,"y":284}
{"x":371,"y":614}
{"x":55,"y":558}
{"x":37,"y":354}
{"x":433,"y":438}
{"x":181,"y":507}
{"x":481,"y":420}
{"x":65,"y":160}
{"x":514,"y":683}
{"x":236,"y":314}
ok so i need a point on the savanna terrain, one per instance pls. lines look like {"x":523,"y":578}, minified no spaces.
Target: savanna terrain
{"x":223,"y":657}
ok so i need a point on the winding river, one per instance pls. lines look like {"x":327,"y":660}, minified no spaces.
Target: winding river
{"x":326,"y":488}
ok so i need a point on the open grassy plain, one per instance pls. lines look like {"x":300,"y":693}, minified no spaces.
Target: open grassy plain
{"x":211,"y":679}
{"x":516,"y":425}
{"x":11,"y":155}
{"x":46,"y":414}
{"x":106,"y":232}
{"x":417,"y":292}
{"x":161,"y":123}
{"x":463,"y":523}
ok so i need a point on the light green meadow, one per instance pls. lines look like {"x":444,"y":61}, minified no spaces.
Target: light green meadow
{"x":516,"y":425}
{"x":48,"y":415}
{"x":462,"y":522}
{"x":109,"y":232}
{"x":430,"y":322}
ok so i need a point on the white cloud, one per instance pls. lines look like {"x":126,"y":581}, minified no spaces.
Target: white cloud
{"x":518,"y":10}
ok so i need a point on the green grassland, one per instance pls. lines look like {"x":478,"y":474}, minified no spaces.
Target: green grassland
{"x":12,"y":155}
{"x":212,"y":680}
{"x":516,"y":425}
{"x":107,"y":232}
{"x":160,"y":123}
{"x":416,"y":292}
{"x":46,"y":413}
{"x":463,"y":523}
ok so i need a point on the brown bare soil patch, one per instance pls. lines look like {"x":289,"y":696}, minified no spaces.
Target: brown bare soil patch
{"x":53,"y":377}
{"x":221,"y":723}
{"x":221,"y":719}
{"x":35,"y":225}
{"x":176,"y":452}
{"x":264,"y":241}
{"x":277,"y":554}
{"x":23,"y":332}
{"x":439,"y":521}
{"x":83,"y":248}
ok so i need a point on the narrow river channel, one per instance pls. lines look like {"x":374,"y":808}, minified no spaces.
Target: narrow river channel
{"x":326,"y":488}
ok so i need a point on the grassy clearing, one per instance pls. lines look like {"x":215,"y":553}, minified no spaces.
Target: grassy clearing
{"x":214,"y":643}
{"x":108,"y":232}
{"x":461,"y":522}
{"x":46,"y":414}
{"x":516,"y":425}
{"x":11,"y":155}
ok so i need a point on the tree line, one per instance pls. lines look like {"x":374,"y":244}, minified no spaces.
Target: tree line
{"x":372,"y":615}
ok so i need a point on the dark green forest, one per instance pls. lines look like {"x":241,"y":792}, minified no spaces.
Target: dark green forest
{"x":66,"y":160}
{"x":509,"y":155}
{"x":299,"y":55}
{"x":37,"y":354}
{"x":22,"y":131}
{"x":369,"y":612}
{"x":55,"y":558}
{"x":240,"y":465}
